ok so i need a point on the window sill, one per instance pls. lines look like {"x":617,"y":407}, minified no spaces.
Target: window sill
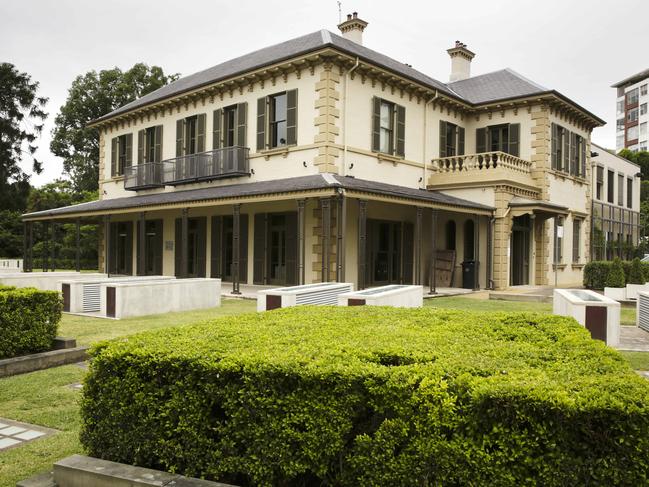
{"x":564,"y":175}
{"x":267,"y":153}
{"x":114,"y":179}
{"x":578,"y":265}
{"x":384,"y":157}
{"x":560,"y":266}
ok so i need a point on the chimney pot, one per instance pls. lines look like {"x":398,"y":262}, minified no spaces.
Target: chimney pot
{"x":349,"y":16}
{"x":353,"y":28}
{"x":355,"y":15}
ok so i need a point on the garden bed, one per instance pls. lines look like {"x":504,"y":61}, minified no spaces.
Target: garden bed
{"x":371,"y":396}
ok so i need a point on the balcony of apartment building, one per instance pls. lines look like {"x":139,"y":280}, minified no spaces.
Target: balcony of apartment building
{"x":479,"y":169}
{"x":227,"y":162}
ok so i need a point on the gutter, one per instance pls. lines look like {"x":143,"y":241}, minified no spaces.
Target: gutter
{"x":347,"y":75}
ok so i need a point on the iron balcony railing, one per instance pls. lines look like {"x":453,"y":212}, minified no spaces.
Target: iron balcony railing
{"x":204,"y":166}
{"x":144,"y":176}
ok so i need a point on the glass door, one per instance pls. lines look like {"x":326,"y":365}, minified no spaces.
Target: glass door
{"x":277,"y":254}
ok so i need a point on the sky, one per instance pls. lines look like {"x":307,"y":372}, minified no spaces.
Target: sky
{"x":577,"y":47}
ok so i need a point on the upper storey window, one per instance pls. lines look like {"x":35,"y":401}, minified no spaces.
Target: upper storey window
{"x":388,"y":127}
{"x":121,"y":154}
{"x":149,"y":145}
{"x":599,"y":182}
{"x":229,"y":126}
{"x":643,"y":90}
{"x":499,"y":138}
{"x":632,"y":97}
{"x":277,"y":120}
{"x":568,"y":151}
{"x":190,"y":135}
{"x":451,"y":139}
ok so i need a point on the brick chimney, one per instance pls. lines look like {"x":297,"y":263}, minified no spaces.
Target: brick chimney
{"x":353,"y":28}
{"x":460,"y":62}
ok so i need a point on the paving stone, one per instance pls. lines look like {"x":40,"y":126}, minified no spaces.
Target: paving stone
{"x":12,"y":430}
{"x":2,"y":425}
{"x":7,"y":442}
{"x":29,"y":435}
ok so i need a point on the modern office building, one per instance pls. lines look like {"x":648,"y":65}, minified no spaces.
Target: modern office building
{"x":631,"y":112}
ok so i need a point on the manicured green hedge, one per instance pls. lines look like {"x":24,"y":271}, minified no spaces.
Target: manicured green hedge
{"x":4,"y":288}
{"x":371,"y":396}
{"x":596,"y":272}
{"x":29,"y":320}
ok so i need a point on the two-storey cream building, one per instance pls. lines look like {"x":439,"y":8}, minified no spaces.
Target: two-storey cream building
{"x":321,"y":159}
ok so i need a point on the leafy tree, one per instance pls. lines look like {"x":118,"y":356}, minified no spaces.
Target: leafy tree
{"x":636,"y":275}
{"x":616,"y":276}
{"x":641,"y":158}
{"x":21,"y":122}
{"x":91,"y":96}
{"x":11,"y":234}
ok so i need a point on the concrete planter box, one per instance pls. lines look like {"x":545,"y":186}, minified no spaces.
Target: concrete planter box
{"x":324,"y":293}
{"x":399,"y":296}
{"x":140,"y":298}
{"x":45,"y":281}
{"x":616,"y":293}
{"x":82,"y":295}
{"x":599,"y":314}
{"x":632,"y":290}
{"x":11,"y":265}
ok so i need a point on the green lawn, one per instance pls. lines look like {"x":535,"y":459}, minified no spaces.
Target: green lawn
{"x":45,"y":398}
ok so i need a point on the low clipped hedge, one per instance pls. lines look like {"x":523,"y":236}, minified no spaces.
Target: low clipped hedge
{"x":29,"y":320}
{"x":596,"y":272}
{"x":371,"y":396}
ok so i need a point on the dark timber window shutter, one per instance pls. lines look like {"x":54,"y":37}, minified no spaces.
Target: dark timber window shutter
{"x":259,"y":246}
{"x":261,"y":124}
{"x":574,"y":156}
{"x":291,"y":117}
{"x":141,"y":136}
{"x":200,"y":132}
{"x":442,"y":138}
{"x":376,"y":124}
{"x":555,"y":145}
{"x":128,"y":161}
{"x":583,"y":158}
{"x":460,"y":141}
{"x":180,"y":137}
{"x":566,"y":149}
{"x":113,"y":156}
{"x":401,"y":131}
{"x":157,"y":149}
{"x":216,"y":129}
{"x":481,"y":140}
{"x":514,"y":139}
{"x":242,"y":116}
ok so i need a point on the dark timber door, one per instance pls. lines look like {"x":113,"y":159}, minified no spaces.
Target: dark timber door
{"x":196,"y":246}
{"x":390,"y":252}
{"x":221,"y":245}
{"x":121,"y":248}
{"x":275,"y":248}
{"x":153,"y":253}
{"x":520,"y":251}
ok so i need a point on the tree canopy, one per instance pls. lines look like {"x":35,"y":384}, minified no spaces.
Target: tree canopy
{"x":21,"y":122}
{"x":91,"y":96}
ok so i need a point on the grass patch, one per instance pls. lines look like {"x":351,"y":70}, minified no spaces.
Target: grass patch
{"x":638,"y":360}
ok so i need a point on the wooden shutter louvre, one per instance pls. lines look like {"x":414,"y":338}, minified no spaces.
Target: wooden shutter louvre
{"x":200,"y":132}
{"x":481,"y":140}
{"x":408,"y":252}
{"x":261,"y":123}
{"x":141,"y":143}
{"x":157,"y":148}
{"x":216,"y":129}
{"x":555,"y":145}
{"x":215,"y":247}
{"x":566,"y":149}
{"x":114,"y":147}
{"x":442,"y":138}
{"x":376,"y":124}
{"x":291,"y":248}
{"x":460,"y":141}
{"x":128,"y":160}
{"x":259,"y":249}
{"x":242,"y":115}
{"x":582,"y":165}
{"x":201,"y":246}
{"x":180,"y":137}
{"x":514,"y":139}
{"x":178,"y":248}
{"x":574,"y":156}
{"x":401,"y":131}
{"x":291,"y":117}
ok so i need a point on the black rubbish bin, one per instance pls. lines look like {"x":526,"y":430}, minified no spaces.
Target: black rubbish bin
{"x":468,"y":274}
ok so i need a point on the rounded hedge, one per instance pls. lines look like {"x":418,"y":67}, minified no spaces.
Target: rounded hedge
{"x":371,"y":396}
{"x":29,"y":320}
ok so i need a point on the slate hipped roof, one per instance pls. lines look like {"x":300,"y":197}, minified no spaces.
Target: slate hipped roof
{"x":288,"y":185}
{"x":500,"y":85}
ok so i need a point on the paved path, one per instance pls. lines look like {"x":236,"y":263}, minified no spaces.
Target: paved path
{"x":14,"y":433}
{"x":633,"y":339}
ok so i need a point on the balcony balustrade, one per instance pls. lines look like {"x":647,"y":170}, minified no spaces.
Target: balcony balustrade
{"x":203,"y":166}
